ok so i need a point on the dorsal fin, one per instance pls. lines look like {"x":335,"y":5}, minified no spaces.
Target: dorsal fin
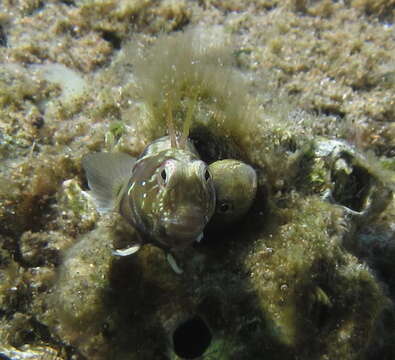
{"x":107,"y":173}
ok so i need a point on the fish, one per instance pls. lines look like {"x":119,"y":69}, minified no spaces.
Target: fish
{"x":235,"y":184}
{"x":167,"y":193}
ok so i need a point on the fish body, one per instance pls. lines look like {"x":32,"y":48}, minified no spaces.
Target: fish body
{"x":167,"y":193}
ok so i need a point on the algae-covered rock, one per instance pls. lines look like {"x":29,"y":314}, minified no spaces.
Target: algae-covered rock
{"x":347,"y":177}
{"x":301,"y":91}
{"x":103,"y":303}
{"x":309,"y":286}
{"x":82,"y":278}
{"x":78,"y":210}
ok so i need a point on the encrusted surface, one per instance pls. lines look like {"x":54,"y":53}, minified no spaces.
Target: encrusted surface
{"x":303,"y":274}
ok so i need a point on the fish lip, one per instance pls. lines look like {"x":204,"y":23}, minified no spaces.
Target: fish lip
{"x":183,"y":233}
{"x":188,"y":227}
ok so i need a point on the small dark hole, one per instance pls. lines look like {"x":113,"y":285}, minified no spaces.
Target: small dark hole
{"x":40,"y":330}
{"x":112,"y":38}
{"x":28,"y":336}
{"x":68,"y":2}
{"x":333,"y":111}
{"x":192,"y":338}
{"x":3,"y":37}
{"x":38,"y":122}
{"x":354,"y":192}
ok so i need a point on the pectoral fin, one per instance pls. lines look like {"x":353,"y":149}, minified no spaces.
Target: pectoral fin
{"x":199,"y":238}
{"x":107,"y":173}
{"x":173,"y":264}
{"x":128,"y":251}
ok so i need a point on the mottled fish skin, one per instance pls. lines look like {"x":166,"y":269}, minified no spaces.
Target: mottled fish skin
{"x":170,"y":196}
{"x":235,"y":187}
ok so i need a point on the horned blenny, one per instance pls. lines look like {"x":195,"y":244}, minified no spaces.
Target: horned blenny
{"x":235,"y":187}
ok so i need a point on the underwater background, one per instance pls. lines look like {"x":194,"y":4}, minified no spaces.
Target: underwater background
{"x":301,"y":90}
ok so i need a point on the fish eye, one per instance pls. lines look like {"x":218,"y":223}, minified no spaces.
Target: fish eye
{"x":224,"y":207}
{"x":165,"y":172}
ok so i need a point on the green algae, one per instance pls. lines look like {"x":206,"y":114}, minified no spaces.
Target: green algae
{"x":117,"y":129}
{"x":191,"y":76}
{"x":388,"y":164}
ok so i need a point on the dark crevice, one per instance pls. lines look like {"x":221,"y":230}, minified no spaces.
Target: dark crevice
{"x":41,"y":331}
{"x":268,"y":6}
{"x":112,"y":38}
{"x":212,"y":147}
{"x":3,"y":37}
{"x":68,"y":2}
{"x":384,"y":150}
{"x":38,"y":123}
{"x":182,"y":24}
{"x":330,"y":111}
{"x":191,"y":338}
{"x":363,"y":86}
{"x":353,"y":191}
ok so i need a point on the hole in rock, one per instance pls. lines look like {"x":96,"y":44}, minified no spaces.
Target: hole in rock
{"x":68,"y":2}
{"x":353,"y":191}
{"x":191,"y":338}
{"x":112,"y":38}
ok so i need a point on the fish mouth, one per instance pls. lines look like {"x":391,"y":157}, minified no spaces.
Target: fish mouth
{"x":185,"y":227}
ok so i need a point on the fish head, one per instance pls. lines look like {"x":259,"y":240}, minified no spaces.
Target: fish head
{"x":236,"y":185}
{"x":171,"y":197}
